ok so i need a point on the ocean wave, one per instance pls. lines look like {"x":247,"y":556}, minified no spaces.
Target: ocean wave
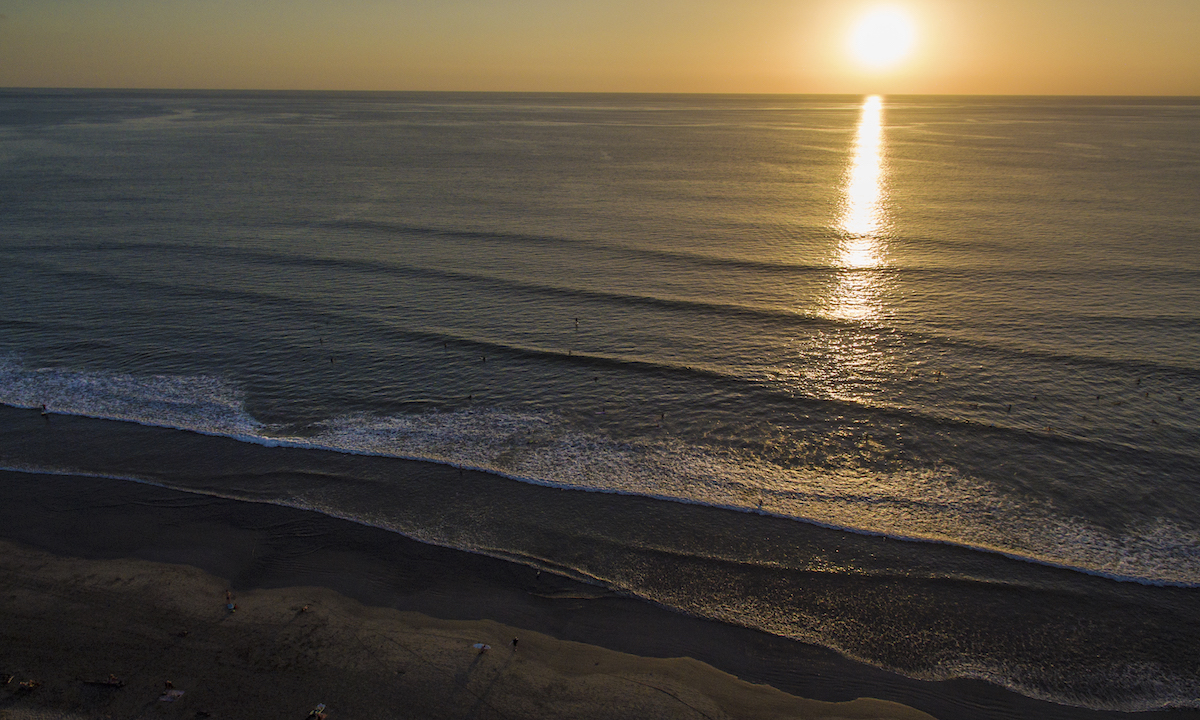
{"x":940,"y":504}
{"x":999,"y":350}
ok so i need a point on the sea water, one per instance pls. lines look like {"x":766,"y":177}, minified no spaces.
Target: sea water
{"x":914,"y":378}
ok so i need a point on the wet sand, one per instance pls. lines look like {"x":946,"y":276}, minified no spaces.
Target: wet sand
{"x":105,"y":577}
{"x":73,"y":623}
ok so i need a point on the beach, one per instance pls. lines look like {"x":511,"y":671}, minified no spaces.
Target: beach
{"x":106,"y":578}
{"x":73,"y":623}
{"x":109,"y":636}
{"x":112,"y":638}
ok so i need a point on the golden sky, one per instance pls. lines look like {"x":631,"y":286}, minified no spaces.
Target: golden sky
{"x":1073,"y":47}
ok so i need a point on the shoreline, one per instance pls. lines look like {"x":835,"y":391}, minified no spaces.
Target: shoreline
{"x":105,"y":637}
{"x":266,"y":549}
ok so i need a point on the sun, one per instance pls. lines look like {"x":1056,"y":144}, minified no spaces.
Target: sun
{"x":882,"y":38}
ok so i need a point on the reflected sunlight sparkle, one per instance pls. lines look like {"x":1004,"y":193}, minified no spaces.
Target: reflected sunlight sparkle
{"x":862,"y":211}
{"x":862,"y":219}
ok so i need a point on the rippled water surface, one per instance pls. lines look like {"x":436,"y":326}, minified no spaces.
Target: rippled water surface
{"x":971,"y":323}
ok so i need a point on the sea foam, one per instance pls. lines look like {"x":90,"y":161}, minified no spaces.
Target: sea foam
{"x":938,"y":504}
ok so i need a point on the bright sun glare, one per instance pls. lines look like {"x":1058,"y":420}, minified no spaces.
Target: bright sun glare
{"x":882,"y":37}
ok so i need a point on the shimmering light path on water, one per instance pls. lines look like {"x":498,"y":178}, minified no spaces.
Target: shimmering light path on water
{"x":863,"y":212}
{"x":862,"y":219}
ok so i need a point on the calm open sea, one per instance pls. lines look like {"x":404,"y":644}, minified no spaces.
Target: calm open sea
{"x":913,"y":378}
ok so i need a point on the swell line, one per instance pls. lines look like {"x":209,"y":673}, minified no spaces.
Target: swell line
{"x":384,"y":329}
{"x":732,"y":310}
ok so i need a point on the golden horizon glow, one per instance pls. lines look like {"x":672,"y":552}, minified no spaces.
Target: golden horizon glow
{"x":882,"y":38}
{"x":971,"y":47}
{"x":862,"y":219}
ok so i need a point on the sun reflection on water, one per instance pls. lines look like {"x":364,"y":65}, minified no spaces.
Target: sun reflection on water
{"x":862,"y":212}
{"x":862,"y":220}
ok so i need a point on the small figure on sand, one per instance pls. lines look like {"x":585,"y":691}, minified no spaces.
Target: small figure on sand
{"x":229,"y":604}
{"x":170,"y":694}
{"x":515,"y":643}
{"x":482,"y":648}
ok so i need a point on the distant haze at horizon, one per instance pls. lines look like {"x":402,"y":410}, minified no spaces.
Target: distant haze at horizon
{"x":1071,"y":47}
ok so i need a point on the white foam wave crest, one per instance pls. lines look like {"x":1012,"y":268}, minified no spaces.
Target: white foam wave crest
{"x":933,"y":505}
{"x":937,"y":505}
{"x":198,"y":403}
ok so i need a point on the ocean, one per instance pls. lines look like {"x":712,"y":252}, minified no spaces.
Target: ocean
{"x":914,"y":379}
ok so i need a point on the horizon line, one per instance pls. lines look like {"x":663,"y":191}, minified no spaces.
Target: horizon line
{"x":20,"y":88}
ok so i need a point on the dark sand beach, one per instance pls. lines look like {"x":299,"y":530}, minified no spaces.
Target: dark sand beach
{"x":74,"y":623}
{"x":112,"y":638}
{"x":111,"y":578}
